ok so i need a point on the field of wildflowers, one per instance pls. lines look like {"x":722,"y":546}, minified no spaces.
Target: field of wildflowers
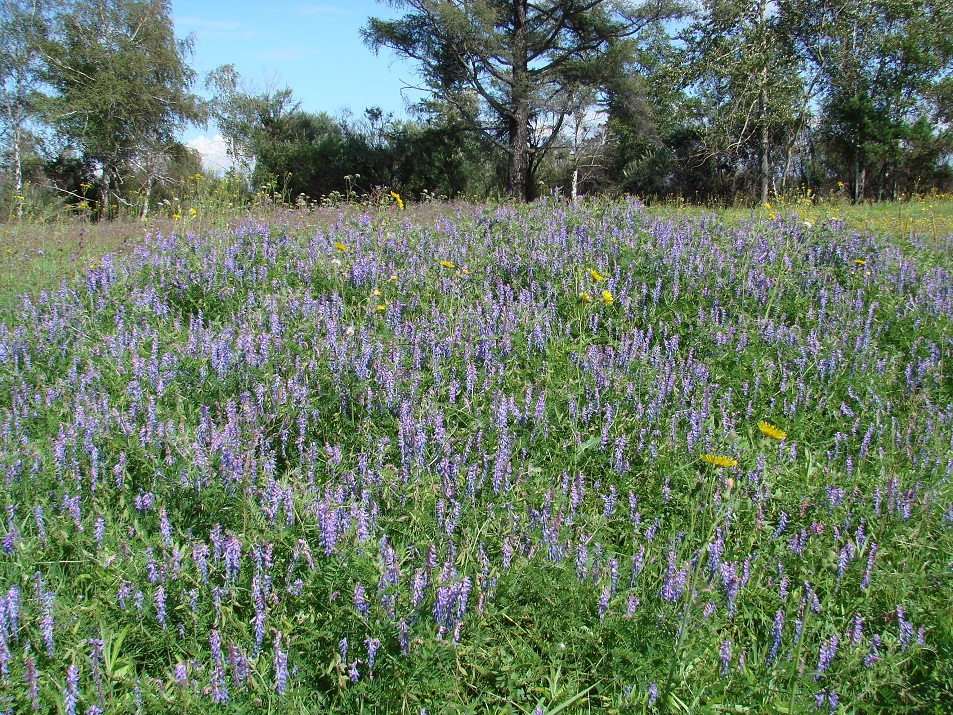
{"x":518,"y":460}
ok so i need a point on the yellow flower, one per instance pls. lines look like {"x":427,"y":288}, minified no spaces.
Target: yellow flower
{"x":860,"y":262}
{"x":447,"y":264}
{"x":769,"y":430}
{"x":376,"y":292}
{"x":719,"y":460}
{"x":192,"y":212}
{"x":584,"y":297}
{"x":767,"y":206}
{"x":393,"y":276}
{"x":340,"y":246}
{"x":382,"y":307}
{"x":397,"y":200}
{"x":771,"y":216}
{"x":595,"y":275}
{"x":607,"y":297}
{"x":176,"y":216}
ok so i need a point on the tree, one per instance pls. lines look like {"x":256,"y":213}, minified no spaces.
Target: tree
{"x":743,"y":66}
{"x":245,"y":114}
{"x":884,"y":66}
{"x":23,"y":25}
{"x":514,"y":69}
{"x":120,"y":82}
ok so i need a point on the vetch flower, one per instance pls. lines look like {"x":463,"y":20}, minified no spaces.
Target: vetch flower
{"x":719,"y":460}
{"x":770,"y":431}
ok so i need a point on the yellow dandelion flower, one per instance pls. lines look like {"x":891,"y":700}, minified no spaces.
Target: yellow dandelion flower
{"x":382,"y":307}
{"x":447,"y":264}
{"x":584,"y":297}
{"x":595,"y":275}
{"x":340,"y":246}
{"x":607,"y":297}
{"x":393,"y":276}
{"x":719,"y":460}
{"x":769,"y":430}
{"x":376,"y":292}
{"x":772,"y":217}
{"x":192,"y":212}
{"x":176,"y":216}
{"x":860,"y":262}
{"x":397,"y":199}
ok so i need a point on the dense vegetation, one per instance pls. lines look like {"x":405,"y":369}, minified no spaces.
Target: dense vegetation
{"x":512,"y":459}
{"x":719,"y":102}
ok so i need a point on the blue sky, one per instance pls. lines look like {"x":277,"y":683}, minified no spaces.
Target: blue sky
{"x":313,"y":47}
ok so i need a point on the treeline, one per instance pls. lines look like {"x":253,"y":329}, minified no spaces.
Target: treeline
{"x":726,"y":101}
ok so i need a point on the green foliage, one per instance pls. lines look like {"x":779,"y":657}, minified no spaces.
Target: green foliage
{"x":245,"y":378}
{"x":515,"y":70}
{"x":120,"y":84}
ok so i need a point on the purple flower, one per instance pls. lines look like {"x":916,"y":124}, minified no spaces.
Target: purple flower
{"x":826,"y":653}
{"x":164,"y":529}
{"x":653,"y":693}
{"x":373,"y":644}
{"x":725,"y":656}
{"x":160,"y":605}
{"x":775,"y":636}
{"x":360,"y":602}
{"x":906,"y":630}
{"x":31,"y":681}
{"x":603,"y":602}
{"x":219,"y":689}
{"x":71,"y":691}
{"x":873,"y":654}
{"x":280,"y":663}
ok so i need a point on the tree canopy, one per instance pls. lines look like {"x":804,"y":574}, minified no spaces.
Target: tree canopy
{"x":515,"y":69}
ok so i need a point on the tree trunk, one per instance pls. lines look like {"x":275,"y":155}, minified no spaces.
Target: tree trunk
{"x":763,"y":105}
{"x":145,"y":204}
{"x":17,"y":170}
{"x":518,"y":170}
{"x":764,"y":163}
{"x":105,"y":196}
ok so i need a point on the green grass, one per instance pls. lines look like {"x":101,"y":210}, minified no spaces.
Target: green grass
{"x":243,"y":376}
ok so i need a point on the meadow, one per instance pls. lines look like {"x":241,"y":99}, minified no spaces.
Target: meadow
{"x":482,"y":459}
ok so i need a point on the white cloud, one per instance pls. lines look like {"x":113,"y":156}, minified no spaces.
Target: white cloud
{"x":322,"y":10}
{"x":214,"y":152}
